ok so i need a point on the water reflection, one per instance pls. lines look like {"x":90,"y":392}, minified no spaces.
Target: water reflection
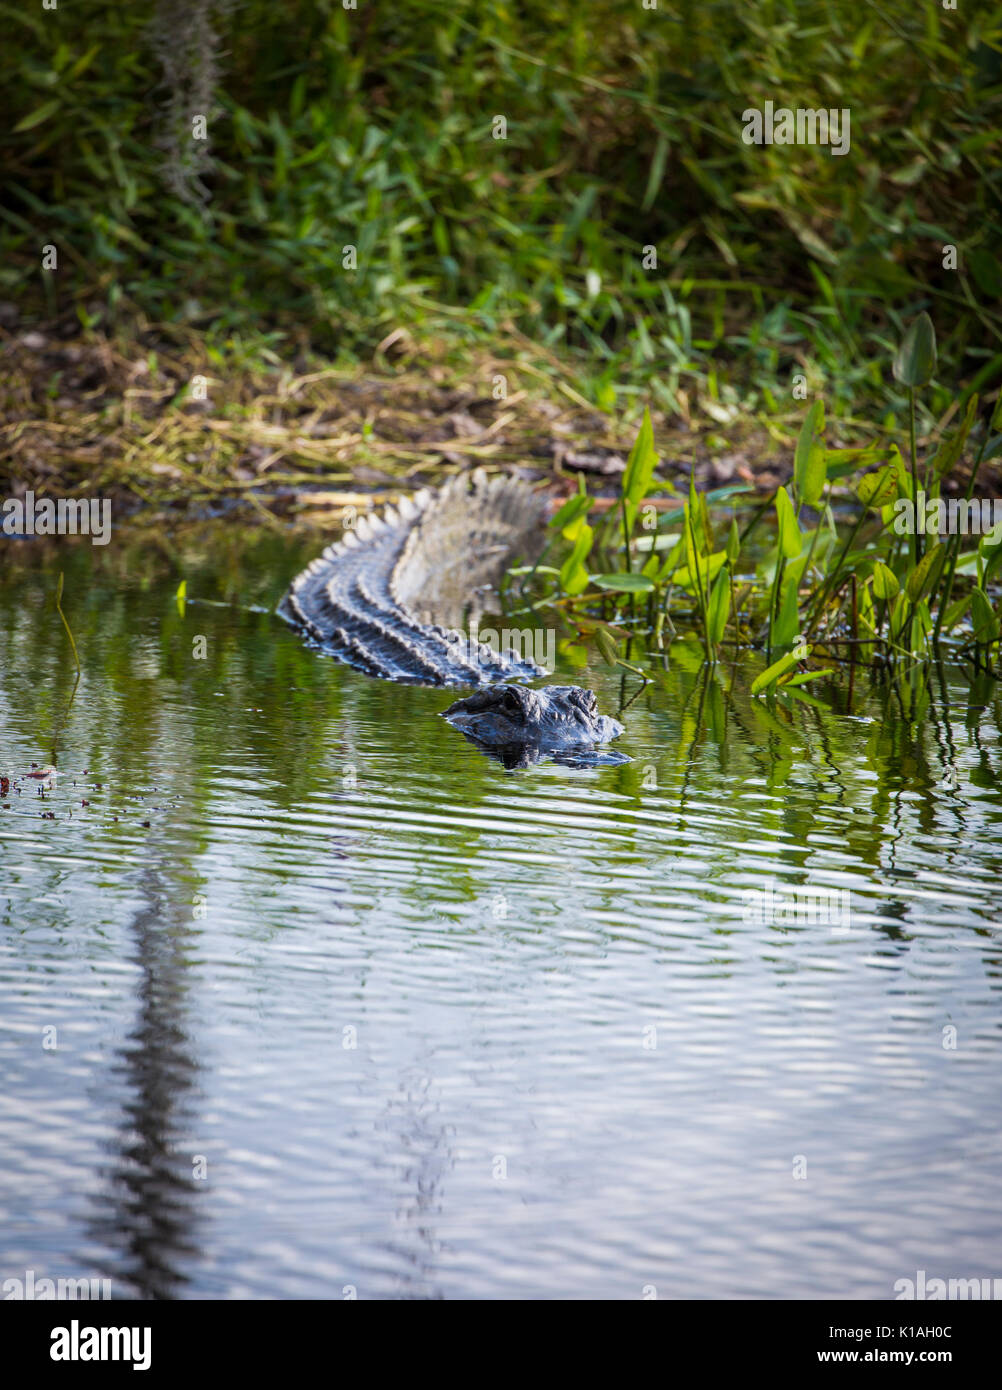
{"x":415,"y":1129}
{"x":146,"y":1211}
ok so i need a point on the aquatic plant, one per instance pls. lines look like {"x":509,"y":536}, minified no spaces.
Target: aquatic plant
{"x":876,"y":590}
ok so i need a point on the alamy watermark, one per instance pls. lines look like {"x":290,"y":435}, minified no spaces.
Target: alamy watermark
{"x":959,"y":516}
{"x":920,"y":1288}
{"x":48,"y":516}
{"x":32,"y":1289}
{"x":521,"y":643}
{"x":802,"y":126}
{"x":772,"y":906}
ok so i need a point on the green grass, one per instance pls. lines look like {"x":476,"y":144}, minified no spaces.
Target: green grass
{"x":372,"y":128}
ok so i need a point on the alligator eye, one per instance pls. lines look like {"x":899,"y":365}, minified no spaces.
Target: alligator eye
{"x":511,"y":704}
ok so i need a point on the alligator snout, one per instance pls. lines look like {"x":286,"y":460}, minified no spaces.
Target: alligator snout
{"x":514,"y":721}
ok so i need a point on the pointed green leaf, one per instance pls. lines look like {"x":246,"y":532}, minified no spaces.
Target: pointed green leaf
{"x":36,"y":117}
{"x":983,"y":619}
{"x":809,"y":459}
{"x":639,"y":468}
{"x":607,"y":646}
{"x":925,"y":576}
{"x":573,"y":575}
{"x":733,"y":545}
{"x":719,"y":608}
{"x":779,"y":668}
{"x":572,"y":511}
{"x":916,"y":358}
{"x":790,"y":539}
{"x":885,"y":583}
{"x":787,"y":624}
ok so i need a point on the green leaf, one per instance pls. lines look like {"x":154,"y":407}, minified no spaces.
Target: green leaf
{"x":916,"y":358}
{"x":572,"y":510}
{"x":925,"y":576}
{"x":876,"y":490}
{"x":82,"y":64}
{"x":639,"y":469}
{"x":899,"y":612}
{"x":885,"y":583}
{"x":733,"y":544}
{"x":40,"y":114}
{"x":719,"y":608}
{"x":841,"y":462}
{"x":790,"y":539}
{"x":990,"y":551}
{"x":955,"y":612}
{"x":787,"y":624}
{"x":707,"y":569}
{"x":983,"y":619}
{"x":986,"y":272}
{"x":674,"y":558}
{"x":624,"y":583}
{"x":901,"y":469}
{"x":651,"y":567}
{"x":952,"y":446}
{"x":809,"y":460}
{"x":607,"y":646}
{"x":656,"y":171}
{"x":779,"y":668}
{"x":573,"y":575}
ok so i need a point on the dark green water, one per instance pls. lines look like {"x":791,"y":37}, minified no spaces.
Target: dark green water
{"x":359,"y":1009}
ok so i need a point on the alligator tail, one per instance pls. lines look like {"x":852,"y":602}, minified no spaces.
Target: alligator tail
{"x":435,"y":553}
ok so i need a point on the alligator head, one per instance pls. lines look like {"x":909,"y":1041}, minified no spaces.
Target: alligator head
{"x":519,"y":726}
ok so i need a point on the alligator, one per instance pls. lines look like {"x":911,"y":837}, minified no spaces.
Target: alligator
{"x":445,"y":551}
